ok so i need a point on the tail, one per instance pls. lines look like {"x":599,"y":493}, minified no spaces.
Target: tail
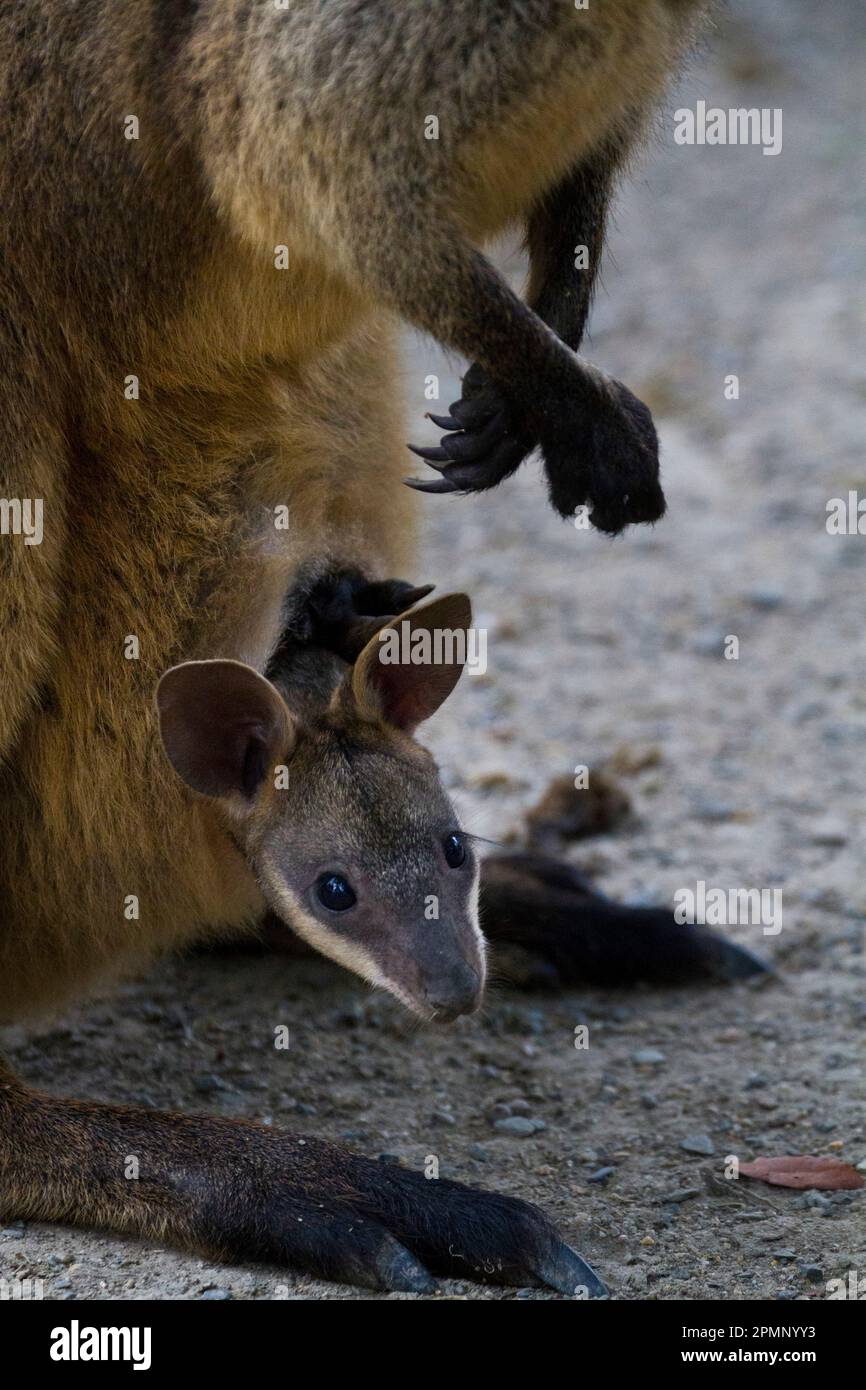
{"x":544,"y":914}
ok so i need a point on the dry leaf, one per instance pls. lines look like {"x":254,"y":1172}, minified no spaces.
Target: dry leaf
{"x":825,"y":1174}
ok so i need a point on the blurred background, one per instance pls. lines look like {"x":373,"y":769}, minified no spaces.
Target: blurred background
{"x":722,"y":261}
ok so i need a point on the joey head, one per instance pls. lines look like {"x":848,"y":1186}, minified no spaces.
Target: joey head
{"x":342,"y":816}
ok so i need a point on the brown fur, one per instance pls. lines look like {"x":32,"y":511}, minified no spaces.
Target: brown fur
{"x":259,"y":388}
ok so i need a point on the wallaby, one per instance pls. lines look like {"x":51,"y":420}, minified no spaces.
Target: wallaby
{"x":326,"y":810}
{"x":211,"y":216}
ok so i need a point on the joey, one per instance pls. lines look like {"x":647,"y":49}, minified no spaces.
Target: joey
{"x":361,"y":835}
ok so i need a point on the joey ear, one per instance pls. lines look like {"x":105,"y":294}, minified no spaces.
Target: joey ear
{"x":387,"y":684}
{"x":222,"y":726}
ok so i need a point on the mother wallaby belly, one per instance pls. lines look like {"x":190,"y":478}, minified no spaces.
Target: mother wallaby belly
{"x":187,"y":538}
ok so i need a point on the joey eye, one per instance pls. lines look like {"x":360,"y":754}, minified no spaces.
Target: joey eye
{"x":335,"y":893}
{"x":455,"y":851}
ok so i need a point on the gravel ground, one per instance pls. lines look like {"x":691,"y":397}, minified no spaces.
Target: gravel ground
{"x":743,"y":773}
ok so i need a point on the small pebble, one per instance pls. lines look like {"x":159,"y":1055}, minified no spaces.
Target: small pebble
{"x":681,"y":1194}
{"x":766,"y":598}
{"x":206,"y":1085}
{"x":601,"y":1176}
{"x":817,"y":1201}
{"x":829,"y":833}
{"x":519,"y":1126}
{"x":698,"y":1144}
{"x":710,"y":642}
{"x":714,"y":812}
{"x":756,"y":1080}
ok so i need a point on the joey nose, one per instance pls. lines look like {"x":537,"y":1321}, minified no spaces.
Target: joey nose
{"x":455,"y":993}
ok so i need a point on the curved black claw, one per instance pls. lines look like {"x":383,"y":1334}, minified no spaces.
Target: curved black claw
{"x":597,"y":440}
{"x":444,"y":422}
{"x":429,"y":455}
{"x":489,"y":460}
{"x":397,"y":1270}
{"x":434,"y":485}
{"x":468,"y":445}
{"x":461,"y":1232}
{"x":482,"y":446}
{"x":474,"y":413}
{"x":569,"y":1273}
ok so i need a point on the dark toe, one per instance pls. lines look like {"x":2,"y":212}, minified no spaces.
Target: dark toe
{"x":398,"y":1271}
{"x":473,"y":414}
{"x":567,"y":1272}
{"x":646,"y":504}
{"x":475,"y":444}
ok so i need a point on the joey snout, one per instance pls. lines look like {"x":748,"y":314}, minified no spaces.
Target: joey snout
{"x":434,"y":966}
{"x":453,"y":992}
{"x":446,"y":967}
